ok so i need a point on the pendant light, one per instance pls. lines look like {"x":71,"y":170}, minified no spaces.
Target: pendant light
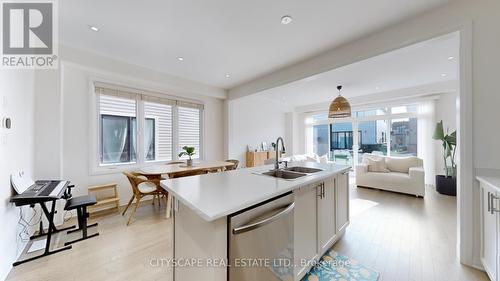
{"x":340,"y":107}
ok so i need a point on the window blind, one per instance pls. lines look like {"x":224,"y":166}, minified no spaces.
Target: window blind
{"x":130,"y":93}
{"x":116,"y":105}
{"x":162,"y":114}
{"x":189,"y":129}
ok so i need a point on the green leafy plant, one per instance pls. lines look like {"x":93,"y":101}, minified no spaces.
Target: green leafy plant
{"x":449,"y":142}
{"x":188,"y":151}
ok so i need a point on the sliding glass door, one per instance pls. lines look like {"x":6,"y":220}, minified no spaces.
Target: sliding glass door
{"x":341,"y":143}
{"x":404,"y":137}
{"x":372,"y":138}
{"x":383,"y":130}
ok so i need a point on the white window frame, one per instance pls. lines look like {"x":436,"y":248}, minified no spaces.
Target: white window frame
{"x":95,"y":166}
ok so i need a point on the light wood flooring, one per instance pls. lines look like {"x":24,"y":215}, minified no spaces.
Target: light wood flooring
{"x":120,"y":252}
{"x":402,"y":237}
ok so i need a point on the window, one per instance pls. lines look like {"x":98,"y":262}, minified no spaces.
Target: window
{"x":158,"y":137}
{"x":320,"y":144}
{"x":118,"y":130}
{"x":150,"y":139}
{"x":371,"y":112}
{"x":373,"y":138}
{"x":382,"y":130}
{"x":189,"y":129}
{"x":167,"y":126}
{"x":341,"y":142}
{"x":404,"y":137}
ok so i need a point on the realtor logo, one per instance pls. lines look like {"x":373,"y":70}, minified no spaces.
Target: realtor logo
{"x":28,"y":35}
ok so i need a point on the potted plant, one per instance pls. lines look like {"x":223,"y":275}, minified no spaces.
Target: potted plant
{"x":188,"y":151}
{"x":447,"y":184}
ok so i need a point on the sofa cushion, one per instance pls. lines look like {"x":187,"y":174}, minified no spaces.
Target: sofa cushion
{"x":377,"y":165}
{"x":402,"y":164}
{"x":368,"y":156}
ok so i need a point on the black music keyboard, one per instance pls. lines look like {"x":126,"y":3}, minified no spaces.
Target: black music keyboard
{"x":41,"y":191}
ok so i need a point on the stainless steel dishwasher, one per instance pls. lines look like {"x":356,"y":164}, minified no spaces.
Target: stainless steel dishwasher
{"x":261,"y":242}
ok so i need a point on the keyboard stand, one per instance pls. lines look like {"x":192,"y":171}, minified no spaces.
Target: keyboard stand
{"x":42,"y":233}
{"x":52,"y":229}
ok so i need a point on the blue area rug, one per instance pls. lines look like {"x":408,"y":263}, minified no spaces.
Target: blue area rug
{"x":334,"y":266}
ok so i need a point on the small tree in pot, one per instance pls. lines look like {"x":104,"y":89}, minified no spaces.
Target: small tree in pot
{"x":188,"y":151}
{"x":447,"y":184}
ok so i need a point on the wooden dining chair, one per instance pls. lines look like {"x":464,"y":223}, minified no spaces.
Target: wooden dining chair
{"x":142,"y":187}
{"x":235,"y":164}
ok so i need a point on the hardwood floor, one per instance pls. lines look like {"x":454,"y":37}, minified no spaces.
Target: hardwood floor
{"x":120,"y":252}
{"x":402,"y":237}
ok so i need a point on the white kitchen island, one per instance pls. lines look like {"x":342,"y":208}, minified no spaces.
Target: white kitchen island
{"x":204,"y":206}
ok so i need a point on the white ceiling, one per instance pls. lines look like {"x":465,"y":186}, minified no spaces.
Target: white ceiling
{"x":215,"y":37}
{"x":426,"y":63}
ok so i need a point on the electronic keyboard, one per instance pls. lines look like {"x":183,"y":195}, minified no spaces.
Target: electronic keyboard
{"x":41,"y":191}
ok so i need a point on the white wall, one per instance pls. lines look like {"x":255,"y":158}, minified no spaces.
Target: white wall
{"x":63,"y":115}
{"x":16,"y":154}
{"x":253,"y":120}
{"x":446,"y":110}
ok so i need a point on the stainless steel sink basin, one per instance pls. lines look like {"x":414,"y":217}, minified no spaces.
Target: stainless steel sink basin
{"x":287,"y":175}
{"x":305,"y":170}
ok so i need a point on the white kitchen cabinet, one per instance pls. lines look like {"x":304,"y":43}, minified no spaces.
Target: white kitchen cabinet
{"x":327,"y":231}
{"x":342,"y":203}
{"x":490,"y":229}
{"x":306,"y":229}
{"x":318,"y":208}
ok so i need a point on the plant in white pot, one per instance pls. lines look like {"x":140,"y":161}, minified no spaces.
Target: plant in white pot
{"x":447,"y":184}
{"x":188,"y":151}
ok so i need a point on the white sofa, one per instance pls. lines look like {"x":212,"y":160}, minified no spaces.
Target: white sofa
{"x":402,"y":174}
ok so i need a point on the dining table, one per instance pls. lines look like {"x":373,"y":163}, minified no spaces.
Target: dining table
{"x":170,"y":170}
{"x":156,"y":172}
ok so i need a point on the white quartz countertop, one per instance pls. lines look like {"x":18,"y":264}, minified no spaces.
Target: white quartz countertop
{"x":491,"y":180}
{"x":213,"y":196}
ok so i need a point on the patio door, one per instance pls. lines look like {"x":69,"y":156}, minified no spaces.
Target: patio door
{"x":342,"y":143}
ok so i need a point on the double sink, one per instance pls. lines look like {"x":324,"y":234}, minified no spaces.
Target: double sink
{"x":291,"y":173}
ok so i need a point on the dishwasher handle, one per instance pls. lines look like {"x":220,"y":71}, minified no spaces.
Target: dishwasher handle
{"x":265,"y":221}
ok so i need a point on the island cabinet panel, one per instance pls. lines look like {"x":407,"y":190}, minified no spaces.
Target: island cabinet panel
{"x":490,"y":234}
{"x":305,"y":229}
{"x":327,"y":233}
{"x":342,"y":188}
{"x":196,"y":238}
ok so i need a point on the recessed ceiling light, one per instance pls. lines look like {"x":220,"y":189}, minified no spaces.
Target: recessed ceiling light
{"x":228,"y":75}
{"x":94,"y":28}
{"x":377,"y":88}
{"x":286,"y":19}
{"x":180,"y":58}
{"x":444,"y":74}
{"x":451,"y":57}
